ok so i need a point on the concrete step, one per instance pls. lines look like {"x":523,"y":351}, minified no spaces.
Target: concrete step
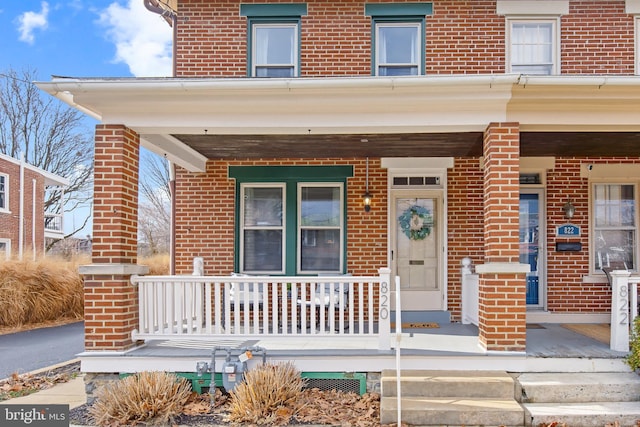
{"x":458,"y":384}
{"x":591,"y":414}
{"x":430,"y":411}
{"x":578,"y":387}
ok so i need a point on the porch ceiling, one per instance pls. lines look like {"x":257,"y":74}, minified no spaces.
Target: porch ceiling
{"x":456,"y":144}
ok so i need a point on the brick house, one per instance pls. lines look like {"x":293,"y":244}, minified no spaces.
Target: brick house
{"x":507,"y":132}
{"x":24,"y":223}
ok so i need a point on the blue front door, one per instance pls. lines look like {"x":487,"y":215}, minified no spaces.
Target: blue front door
{"x":530,"y":243}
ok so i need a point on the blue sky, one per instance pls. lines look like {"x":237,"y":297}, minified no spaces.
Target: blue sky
{"x":83,"y":38}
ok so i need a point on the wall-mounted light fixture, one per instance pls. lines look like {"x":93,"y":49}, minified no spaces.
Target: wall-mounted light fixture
{"x":569,"y":209}
{"x":366,"y":199}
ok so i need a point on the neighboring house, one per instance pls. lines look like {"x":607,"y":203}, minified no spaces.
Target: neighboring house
{"x":25,"y":225}
{"x":341,"y":137}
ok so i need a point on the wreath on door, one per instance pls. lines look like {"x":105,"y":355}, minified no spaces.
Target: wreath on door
{"x":416,"y":222}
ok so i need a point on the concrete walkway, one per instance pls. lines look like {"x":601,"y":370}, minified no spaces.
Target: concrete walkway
{"x":70,"y":393}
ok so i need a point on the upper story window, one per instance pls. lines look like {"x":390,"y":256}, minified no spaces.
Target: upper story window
{"x":397,"y":48}
{"x":533,"y":47}
{"x":614,"y":226}
{"x":533,"y":35}
{"x":274,"y":50}
{"x":398,"y":32}
{"x":4,"y":192}
{"x":274,"y":38}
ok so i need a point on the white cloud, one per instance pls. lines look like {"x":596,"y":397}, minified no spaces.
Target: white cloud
{"x":28,"y":22}
{"x":142,"y":38}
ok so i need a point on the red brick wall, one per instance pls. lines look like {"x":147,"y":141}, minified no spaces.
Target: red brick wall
{"x":205,"y":211}
{"x":462,"y":37}
{"x":115,"y":220}
{"x":10,"y":222}
{"x":597,"y":38}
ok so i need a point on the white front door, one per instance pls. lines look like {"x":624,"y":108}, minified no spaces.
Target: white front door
{"x":417,"y":249}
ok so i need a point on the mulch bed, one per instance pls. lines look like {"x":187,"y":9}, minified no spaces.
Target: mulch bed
{"x":315,"y":407}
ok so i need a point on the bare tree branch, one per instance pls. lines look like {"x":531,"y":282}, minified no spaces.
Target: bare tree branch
{"x":51,"y":136}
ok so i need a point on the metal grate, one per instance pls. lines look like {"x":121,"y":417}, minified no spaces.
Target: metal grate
{"x":345,"y":382}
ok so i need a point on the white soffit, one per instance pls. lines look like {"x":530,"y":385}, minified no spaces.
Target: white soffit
{"x":175,"y":151}
{"x":532,"y":7}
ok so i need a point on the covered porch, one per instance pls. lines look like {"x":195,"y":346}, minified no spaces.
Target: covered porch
{"x":476,"y":131}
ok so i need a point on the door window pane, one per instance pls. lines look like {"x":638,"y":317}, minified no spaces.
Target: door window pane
{"x":274,"y":50}
{"x":398,"y":49}
{"x":614,"y":226}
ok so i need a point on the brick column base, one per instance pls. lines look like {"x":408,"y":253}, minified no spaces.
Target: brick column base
{"x":502,"y":309}
{"x":110,"y":306}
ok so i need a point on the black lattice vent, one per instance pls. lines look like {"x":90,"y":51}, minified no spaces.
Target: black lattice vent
{"x":354,"y":382}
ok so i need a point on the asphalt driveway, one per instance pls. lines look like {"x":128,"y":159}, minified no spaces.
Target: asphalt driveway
{"x":38,"y":348}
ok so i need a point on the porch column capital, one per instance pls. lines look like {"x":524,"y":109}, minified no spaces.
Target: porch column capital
{"x":503,"y":267}
{"x":112,"y":269}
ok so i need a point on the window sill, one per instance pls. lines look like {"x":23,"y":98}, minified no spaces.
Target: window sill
{"x":595,"y":278}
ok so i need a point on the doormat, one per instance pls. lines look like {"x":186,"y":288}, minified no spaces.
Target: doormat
{"x":417,"y":325}
{"x":598,"y":331}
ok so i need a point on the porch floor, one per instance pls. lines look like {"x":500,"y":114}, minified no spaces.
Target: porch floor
{"x":550,"y":348}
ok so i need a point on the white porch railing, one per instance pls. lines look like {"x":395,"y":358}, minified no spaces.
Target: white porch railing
{"x":205,"y":307}
{"x":624,"y":308}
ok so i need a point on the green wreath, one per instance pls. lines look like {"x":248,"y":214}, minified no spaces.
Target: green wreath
{"x":416,"y":222}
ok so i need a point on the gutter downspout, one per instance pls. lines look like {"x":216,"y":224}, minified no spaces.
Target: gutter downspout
{"x":21,"y":209}
{"x":33,"y":218}
{"x":172,"y":219}
{"x":172,"y":18}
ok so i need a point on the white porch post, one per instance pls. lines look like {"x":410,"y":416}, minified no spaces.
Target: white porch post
{"x":620,"y":310}
{"x":384,"y":321}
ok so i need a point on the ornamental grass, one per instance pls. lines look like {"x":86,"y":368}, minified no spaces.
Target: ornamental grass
{"x":148,"y":398}
{"x":39,"y":291}
{"x":268,"y":396}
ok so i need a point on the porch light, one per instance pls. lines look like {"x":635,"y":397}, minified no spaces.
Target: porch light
{"x":569,"y":209}
{"x":367,"y":197}
{"x":367,"y":201}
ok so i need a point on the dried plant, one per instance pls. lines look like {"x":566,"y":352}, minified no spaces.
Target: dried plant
{"x":268,"y":395}
{"x":152,"y":398}
{"x":39,"y":291}
{"x":158,"y":264}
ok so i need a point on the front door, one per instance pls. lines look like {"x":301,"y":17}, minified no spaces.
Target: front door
{"x":531,"y":244}
{"x":417,"y":249}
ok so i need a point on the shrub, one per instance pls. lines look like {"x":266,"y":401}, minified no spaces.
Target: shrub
{"x":153,"y":398}
{"x":633,"y":359}
{"x":267,"y":396}
{"x":39,"y":291}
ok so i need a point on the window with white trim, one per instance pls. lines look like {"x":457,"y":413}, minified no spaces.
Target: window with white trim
{"x":533,"y":46}
{"x":262,"y":228}
{"x":398,"y":48}
{"x":5,"y":249}
{"x":4,"y":192}
{"x":320,"y":229}
{"x":614,"y":226}
{"x":274,"y":49}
